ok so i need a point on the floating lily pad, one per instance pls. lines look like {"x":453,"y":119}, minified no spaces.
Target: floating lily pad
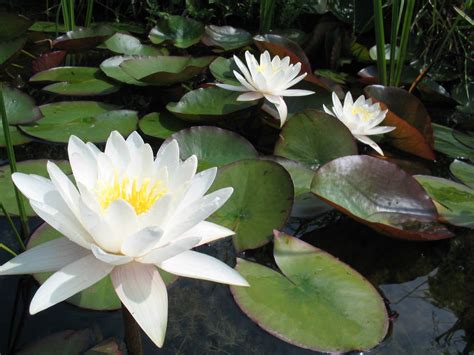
{"x":446,"y":143}
{"x":76,"y":81}
{"x":165,"y":70}
{"x":90,"y":121}
{"x":223,"y":70}
{"x":226,"y":37}
{"x":213,"y":146}
{"x":414,"y":133}
{"x":455,"y":202}
{"x":123,"y":43}
{"x":48,"y":60}
{"x":316,"y":302}
{"x":100,"y":296}
{"x":47,"y":26}
{"x":7,"y":192}
{"x":84,"y":38}
{"x":13,"y":25}
{"x":463,"y":172}
{"x":206,"y":104}
{"x":20,"y":107}
{"x":16,"y":136}
{"x":381,"y":195}
{"x":161,"y":124}
{"x":8,"y":48}
{"x":180,"y":31}
{"x":314,"y":138}
{"x":262,"y":201}
{"x":111,"y":67}
{"x":466,"y":138}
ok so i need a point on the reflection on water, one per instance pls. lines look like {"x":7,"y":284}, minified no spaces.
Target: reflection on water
{"x":428,"y":287}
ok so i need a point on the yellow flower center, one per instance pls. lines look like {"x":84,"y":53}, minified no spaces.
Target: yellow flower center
{"x":140,"y":194}
{"x":364,"y":113}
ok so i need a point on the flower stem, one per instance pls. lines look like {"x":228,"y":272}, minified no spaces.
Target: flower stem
{"x":133,"y":338}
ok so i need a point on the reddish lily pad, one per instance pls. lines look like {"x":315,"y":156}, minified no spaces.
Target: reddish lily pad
{"x":48,"y":60}
{"x":380,"y":195}
{"x":83,"y":37}
{"x":414,"y":133}
{"x":317,"y":302}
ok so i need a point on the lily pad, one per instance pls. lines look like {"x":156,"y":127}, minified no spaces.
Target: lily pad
{"x":414,"y":133}
{"x":208,"y":104}
{"x":446,"y":143}
{"x":47,"y":26}
{"x":226,"y":37}
{"x":111,"y":67}
{"x":100,"y":296}
{"x":15,"y":134}
{"x":313,"y":137}
{"x":76,"y":81}
{"x":83,"y":37}
{"x":223,"y":70}
{"x":13,"y":25}
{"x":466,"y":138}
{"x":213,"y":146}
{"x":262,"y":201}
{"x":20,"y":107}
{"x":48,"y":60}
{"x":161,"y":124}
{"x":123,"y":43}
{"x":8,"y":48}
{"x":317,"y":302}
{"x":7,"y":192}
{"x":463,"y":172}
{"x":90,"y":121}
{"x":380,"y":195}
{"x":180,"y":31}
{"x":165,"y":70}
{"x":455,"y":202}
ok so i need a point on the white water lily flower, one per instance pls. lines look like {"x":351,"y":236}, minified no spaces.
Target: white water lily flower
{"x":271,"y":79}
{"x":361,"y":117}
{"x":128,"y":215}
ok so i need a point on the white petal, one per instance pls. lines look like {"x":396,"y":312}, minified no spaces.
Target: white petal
{"x":295,"y":92}
{"x":184,"y":173}
{"x":170,"y":250}
{"x":328,"y":111}
{"x":141,"y":162}
{"x":370,"y":142}
{"x":243,"y":68}
{"x":158,"y":213}
{"x":117,"y":150}
{"x":280,"y":106}
{"x":68,"y":281}
{"x":112,"y":259}
{"x":168,"y":157}
{"x":232,"y":87}
{"x":83,"y":161}
{"x":348,"y":102}
{"x":379,"y":130}
{"x":295,"y":80}
{"x":142,"y":242}
{"x":207,"y":232}
{"x":143,"y":292}
{"x":34,"y":187}
{"x":249,"y":85}
{"x":337,"y":106}
{"x":47,"y":257}
{"x":64,"y":186}
{"x":199,"y":185}
{"x":134,"y":141}
{"x":250,"y":96}
{"x":201,"y":266}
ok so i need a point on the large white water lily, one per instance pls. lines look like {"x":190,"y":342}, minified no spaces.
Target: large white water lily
{"x":129,"y":214}
{"x":269,"y":79}
{"x":362,"y":117}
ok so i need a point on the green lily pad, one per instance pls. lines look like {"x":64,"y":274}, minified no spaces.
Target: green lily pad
{"x":20,"y":107}
{"x":381,"y":195}
{"x":261,"y":202}
{"x":90,"y":121}
{"x":455,"y":202}
{"x":100,"y":296}
{"x":15,"y":134}
{"x":223,"y":70}
{"x":161,"y":124}
{"x":208,"y":104}
{"x":446,"y":143}
{"x":317,"y":302}
{"x":123,"y":43}
{"x":357,"y":15}
{"x":13,"y":25}
{"x":226,"y":37}
{"x":84,"y":37}
{"x":7,"y":192}
{"x":8,"y":48}
{"x":314,"y":138}
{"x":165,"y":70}
{"x":76,"y":81}
{"x":463,"y":171}
{"x":466,"y":138}
{"x":180,"y":31}
{"x":111,"y":67}
{"x":47,"y":26}
{"x":213,"y":146}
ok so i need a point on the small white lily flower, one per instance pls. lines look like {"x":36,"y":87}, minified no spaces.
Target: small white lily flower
{"x":271,"y":79}
{"x":129,"y":214}
{"x":361,"y":117}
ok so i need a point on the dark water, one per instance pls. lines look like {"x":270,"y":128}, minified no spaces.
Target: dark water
{"x":428,"y":288}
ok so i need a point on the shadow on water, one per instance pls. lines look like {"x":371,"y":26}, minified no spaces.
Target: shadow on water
{"x":428,"y":288}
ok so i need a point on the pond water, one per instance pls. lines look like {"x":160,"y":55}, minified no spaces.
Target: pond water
{"x":427,"y":287}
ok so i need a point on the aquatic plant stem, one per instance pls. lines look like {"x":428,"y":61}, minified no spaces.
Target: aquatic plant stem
{"x":7,"y":249}
{"x":12,"y":160}
{"x":13,"y":227}
{"x":380,"y":41}
{"x":133,"y":339}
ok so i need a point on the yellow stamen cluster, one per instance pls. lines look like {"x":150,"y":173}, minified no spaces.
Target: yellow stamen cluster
{"x":140,"y":194}
{"x":364,"y":113}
